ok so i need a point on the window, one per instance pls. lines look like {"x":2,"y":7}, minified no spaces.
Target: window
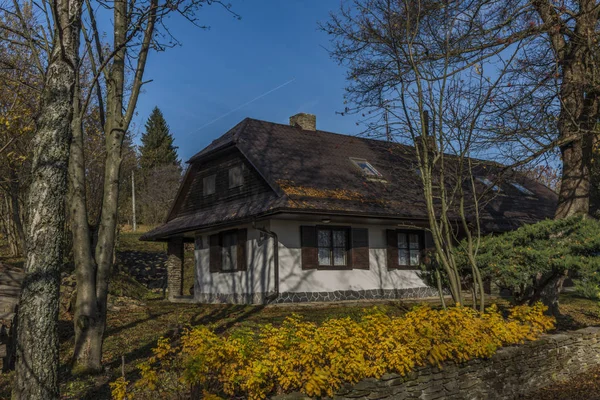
{"x":409,"y":249}
{"x":236,"y":178}
{"x":366,"y":168}
{"x":522,"y":189}
{"x":229,"y":251}
{"x":405,"y":248}
{"x":332,"y":246}
{"x":488,"y":183}
{"x":208,"y":185}
{"x":198,"y":242}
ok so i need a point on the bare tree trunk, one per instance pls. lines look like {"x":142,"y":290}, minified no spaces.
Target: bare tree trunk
{"x":86,"y":310}
{"x":37,"y":339}
{"x":547,"y":291}
{"x":575,"y":186}
{"x":90,"y":323}
{"x":15,"y":209}
{"x":574,"y":194}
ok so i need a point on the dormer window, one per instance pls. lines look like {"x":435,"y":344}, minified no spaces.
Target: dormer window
{"x":366,"y":168}
{"x":488,"y":183}
{"x":522,"y":189}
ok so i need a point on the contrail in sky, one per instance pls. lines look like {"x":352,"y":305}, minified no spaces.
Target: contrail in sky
{"x":245,"y":104}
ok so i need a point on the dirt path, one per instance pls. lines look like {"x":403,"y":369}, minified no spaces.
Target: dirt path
{"x":582,"y":387}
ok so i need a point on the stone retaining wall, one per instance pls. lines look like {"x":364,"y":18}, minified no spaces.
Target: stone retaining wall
{"x":511,"y":373}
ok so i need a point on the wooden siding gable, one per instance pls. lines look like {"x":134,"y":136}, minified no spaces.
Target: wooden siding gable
{"x":191,"y":198}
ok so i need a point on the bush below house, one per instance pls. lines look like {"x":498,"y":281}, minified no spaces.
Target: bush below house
{"x":533,"y":260}
{"x":318,"y":359}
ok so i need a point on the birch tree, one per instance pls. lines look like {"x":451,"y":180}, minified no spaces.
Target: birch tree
{"x":38,"y":345}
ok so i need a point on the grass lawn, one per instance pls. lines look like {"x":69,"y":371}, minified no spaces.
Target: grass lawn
{"x":132,"y":332}
{"x":134,"y":326}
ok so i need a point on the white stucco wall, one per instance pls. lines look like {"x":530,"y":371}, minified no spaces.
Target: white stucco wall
{"x":294,"y":279}
{"x":259,"y":276}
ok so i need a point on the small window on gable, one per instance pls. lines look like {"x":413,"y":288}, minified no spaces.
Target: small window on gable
{"x":236,"y":177}
{"x":208,"y":185}
{"x":488,"y":183}
{"x":522,"y":189}
{"x":366,"y":167}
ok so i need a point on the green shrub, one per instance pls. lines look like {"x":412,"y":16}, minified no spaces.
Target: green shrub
{"x":529,"y":260}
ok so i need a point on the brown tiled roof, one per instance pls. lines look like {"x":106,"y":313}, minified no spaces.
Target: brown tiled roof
{"x":312,"y":171}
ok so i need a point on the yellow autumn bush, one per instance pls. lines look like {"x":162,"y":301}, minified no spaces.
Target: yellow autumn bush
{"x":318,"y":359}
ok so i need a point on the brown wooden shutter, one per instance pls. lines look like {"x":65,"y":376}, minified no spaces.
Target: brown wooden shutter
{"x":242,"y":263}
{"x":308,"y":241}
{"x":392,"y":248}
{"x":359,"y":252}
{"x":428,"y":247}
{"x":215,"y":253}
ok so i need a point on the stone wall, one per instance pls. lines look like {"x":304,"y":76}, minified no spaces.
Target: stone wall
{"x":306,"y":297}
{"x":511,"y":373}
{"x":175,"y":267}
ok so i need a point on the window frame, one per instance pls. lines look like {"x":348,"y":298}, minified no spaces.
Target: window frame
{"x":214,"y":177}
{"x":331,"y":228}
{"x":229,"y":180}
{"x":240,"y":246}
{"x":421,"y":235}
{"x":356,"y":161}
{"x":234,"y":233}
{"x":487,"y":182}
{"x":522,"y":189}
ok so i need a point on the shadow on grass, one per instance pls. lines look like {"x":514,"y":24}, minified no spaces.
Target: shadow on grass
{"x":220,"y":319}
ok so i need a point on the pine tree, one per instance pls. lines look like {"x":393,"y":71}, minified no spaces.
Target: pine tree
{"x":157,"y":143}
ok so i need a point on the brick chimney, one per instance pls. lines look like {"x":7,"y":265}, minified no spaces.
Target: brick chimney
{"x":308,"y":122}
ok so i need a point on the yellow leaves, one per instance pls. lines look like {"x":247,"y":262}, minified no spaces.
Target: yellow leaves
{"x":318,"y":359}
{"x":118,"y":389}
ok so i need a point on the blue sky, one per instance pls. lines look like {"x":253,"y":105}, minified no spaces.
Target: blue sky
{"x":215,"y":71}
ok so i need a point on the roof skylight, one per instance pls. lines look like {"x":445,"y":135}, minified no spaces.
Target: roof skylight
{"x":522,"y":189}
{"x":366,"y":168}
{"x":488,"y":183}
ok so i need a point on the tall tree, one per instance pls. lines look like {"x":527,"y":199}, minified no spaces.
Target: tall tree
{"x":535,"y":62}
{"x":157,"y":147}
{"x":38,"y":344}
{"x":21,"y":83}
{"x":116,"y":88}
{"x":549,"y":99}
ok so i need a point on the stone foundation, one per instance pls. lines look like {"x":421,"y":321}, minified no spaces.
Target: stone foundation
{"x":305,"y":297}
{"x":513,"y":372}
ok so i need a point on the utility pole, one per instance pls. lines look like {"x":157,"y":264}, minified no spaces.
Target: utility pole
{"x":133,"y":199}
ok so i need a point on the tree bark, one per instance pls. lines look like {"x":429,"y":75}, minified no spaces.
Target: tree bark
{"x":94,"y":269}
{"x":15,"y":209}
{"x":37,"y":338}
{"x":576,"y":119}
{"x":86,"y":310}
{"x":548,"y":290}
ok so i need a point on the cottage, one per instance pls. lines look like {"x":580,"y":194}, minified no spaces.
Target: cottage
{"x":286,"y":213}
